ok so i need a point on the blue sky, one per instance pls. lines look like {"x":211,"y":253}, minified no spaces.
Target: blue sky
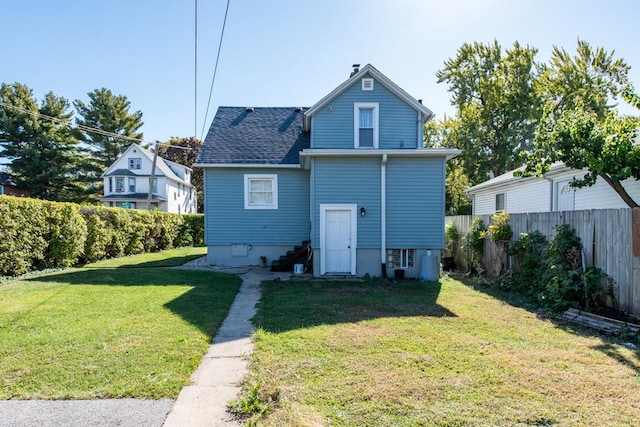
{"x":278,"y":52}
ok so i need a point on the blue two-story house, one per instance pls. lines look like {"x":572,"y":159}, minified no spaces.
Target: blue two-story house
{"x":348,"y":175}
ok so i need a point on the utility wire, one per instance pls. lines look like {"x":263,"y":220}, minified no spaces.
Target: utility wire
{"x":215,"y":69}
{"x":195,"y":78}
{"x":66,"y":122}
{"x":87,"y":128}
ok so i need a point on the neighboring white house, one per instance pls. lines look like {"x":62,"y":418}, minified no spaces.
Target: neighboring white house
{"x":548,"y":193}
{"x":126,"y":183}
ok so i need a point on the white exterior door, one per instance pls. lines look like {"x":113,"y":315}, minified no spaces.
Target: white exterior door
{"x":564,"y":196}
{"x":338,"y":239}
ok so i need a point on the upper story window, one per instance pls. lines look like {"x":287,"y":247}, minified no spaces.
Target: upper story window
{"x":132,"y":185}
{"x":367,"y":84}
{"x":155,"y":185}
{"x":135,"y":163}
{"x":260,"y":191}
{"x":366,"y":124}
{"x":119,"y":184}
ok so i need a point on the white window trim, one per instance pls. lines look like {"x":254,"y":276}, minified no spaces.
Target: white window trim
{"x":248,"y":177}
{"x":364,"y":83}
{"x":123,"y":184}
{"x":403,"y":254}
{"x":135,"y":163}
{"x":357,"y":106}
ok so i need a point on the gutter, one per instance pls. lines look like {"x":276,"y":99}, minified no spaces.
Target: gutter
{"x":383,"y":214}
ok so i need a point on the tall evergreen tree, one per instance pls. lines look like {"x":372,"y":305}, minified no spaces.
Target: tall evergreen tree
{"x":43,"y":153}
{"x":109,"y":113}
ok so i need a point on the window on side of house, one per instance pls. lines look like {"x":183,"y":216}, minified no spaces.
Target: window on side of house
{"x":155,"y":186}
{"x":365,"y":124}
{"x":401,"y":258}
{"x":260,"y":191}
{"x":135,"y":163}
{"x":1,"y":189}
{"x":367,"y":84}
{"x":499,"y":202}
{"x":132,"y":185}
{"x":119,"y":184}
{"x":110,"y":185}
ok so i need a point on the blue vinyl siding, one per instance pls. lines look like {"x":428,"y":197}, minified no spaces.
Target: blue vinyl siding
{"x":333,"y":126}
{"x":227,"y":221}
{"x":342,"y":181}
{"x":415,"y":203}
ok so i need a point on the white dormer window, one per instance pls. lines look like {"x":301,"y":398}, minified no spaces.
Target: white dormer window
{"x":367,"y":84}
{"x":365,"y":124}
{"x":135,"y":163}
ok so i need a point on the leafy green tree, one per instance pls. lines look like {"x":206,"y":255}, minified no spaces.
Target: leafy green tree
{"x":109,"y":113}
{"x":497,"y":106}
{"x":580,"y":126}
{"x":186,"y":156}
{"x":590,"y":80}
{"x":437,"y":134}
{"x":40,"y":142}
{"x":604,"y":147}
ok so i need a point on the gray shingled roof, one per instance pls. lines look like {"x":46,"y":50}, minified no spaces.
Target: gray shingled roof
{"x":266,"y":135}
{"x":120,"y":172}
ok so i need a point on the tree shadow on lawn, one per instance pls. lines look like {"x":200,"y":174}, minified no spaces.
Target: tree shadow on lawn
{"x":175,"y":261}
{"x":205,"y":304}
{"x":290,"y":305}
{"x":520,"y":300}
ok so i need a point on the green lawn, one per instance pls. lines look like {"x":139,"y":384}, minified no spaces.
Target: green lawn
{"x":415,"y":353}
{"x":109,"y":330}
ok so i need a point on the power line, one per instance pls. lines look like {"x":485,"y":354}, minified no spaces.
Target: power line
{"x":66,"y":123}
{"x":195,"y":78}
{"x":215,"y":69}
{"x":87,"y":128}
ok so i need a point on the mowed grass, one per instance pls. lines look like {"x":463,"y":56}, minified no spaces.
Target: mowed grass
{"x":108,"y":330}
{"x":432,"y":354}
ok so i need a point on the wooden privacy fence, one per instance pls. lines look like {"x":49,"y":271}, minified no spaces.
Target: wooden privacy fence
{"x":610,"y":238}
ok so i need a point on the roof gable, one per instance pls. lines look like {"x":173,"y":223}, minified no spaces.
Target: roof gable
{"x":367,"y":70}
{"x":162,"y":167}
{"x":259,"y":136}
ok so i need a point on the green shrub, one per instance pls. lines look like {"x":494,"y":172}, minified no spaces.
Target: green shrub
{"x":98,"y":237}
{"x":499,"y":229}
{"x":529,"y":251}
{"x":40,"y":234}
{"x":474,"y":245}
{"x":451,"y":238}
{"x":22,"y":225}
{"x":553,"y":273}
{"x":195,"y":223}
{"x":65,"y":234}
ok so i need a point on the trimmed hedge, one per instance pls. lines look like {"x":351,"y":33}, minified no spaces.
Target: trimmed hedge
{"x":36,"y":234}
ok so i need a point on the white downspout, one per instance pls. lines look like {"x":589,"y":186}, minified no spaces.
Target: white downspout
{"x":383,"y":213}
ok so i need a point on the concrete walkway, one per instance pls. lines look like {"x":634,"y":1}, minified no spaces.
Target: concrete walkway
{"x":217,"y":379}
{"x":202,"y":403}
